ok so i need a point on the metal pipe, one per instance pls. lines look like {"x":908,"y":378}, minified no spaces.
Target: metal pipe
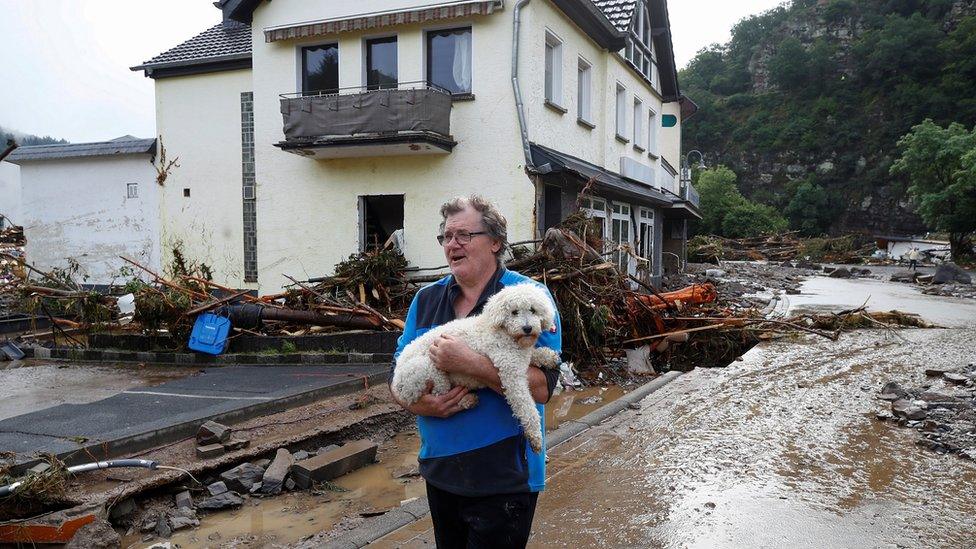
{"x":93,"y":466}
{"x":516,"y":87}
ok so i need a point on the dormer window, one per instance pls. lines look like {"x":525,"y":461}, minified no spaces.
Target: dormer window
{"x":640,"y":49}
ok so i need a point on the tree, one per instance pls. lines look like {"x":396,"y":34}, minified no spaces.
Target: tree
{"x":789,"y":66}
{"x":749,"y":219}
{"x":940,"y":164}
{"x":809,"y":211}
{"x":719,"y":195}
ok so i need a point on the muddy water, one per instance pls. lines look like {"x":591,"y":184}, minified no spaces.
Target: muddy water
{"x":31,"y":385}
{"x":779,"y":450}
{"x":288,"y":518}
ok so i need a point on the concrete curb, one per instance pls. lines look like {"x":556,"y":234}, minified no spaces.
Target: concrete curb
{"x":198,"y":359}
{"x":380,"y":526}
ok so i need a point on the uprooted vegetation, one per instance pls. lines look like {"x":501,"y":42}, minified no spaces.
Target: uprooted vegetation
{"x":847,"y":249}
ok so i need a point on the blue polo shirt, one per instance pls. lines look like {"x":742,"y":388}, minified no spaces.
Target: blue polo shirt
{"x":481,"y":451}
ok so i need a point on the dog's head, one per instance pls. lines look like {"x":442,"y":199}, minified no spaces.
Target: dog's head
{"x":523,"y":312}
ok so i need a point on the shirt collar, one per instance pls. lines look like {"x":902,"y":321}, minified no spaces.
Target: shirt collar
{"x":494,"y":286}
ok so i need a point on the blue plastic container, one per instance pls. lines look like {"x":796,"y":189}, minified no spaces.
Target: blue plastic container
{"x":209,"y":334}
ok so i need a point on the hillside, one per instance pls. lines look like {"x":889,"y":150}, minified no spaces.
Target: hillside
{"x":813,"y":95}
{"x":24,"y":139}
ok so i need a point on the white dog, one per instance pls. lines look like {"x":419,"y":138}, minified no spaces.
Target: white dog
{"x":505,"y":332}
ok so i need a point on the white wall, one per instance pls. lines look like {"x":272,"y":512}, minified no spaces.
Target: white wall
{"x":78,"y":208}
{"x":199,"y":119}
{"x":307,"y":209}
{"x":10,"y":191}
{"x":560,"y":131}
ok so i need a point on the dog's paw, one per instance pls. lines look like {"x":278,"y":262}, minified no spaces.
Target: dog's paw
{"x":468,"y":401}
{"x":544,"y":357}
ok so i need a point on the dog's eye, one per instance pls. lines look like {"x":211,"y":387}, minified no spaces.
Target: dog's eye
{"x":532,"y":310}
{"x":515,"y":312}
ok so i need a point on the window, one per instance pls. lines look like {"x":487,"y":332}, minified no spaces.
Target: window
{"x":186,"y":193}
{"x":621,"y":112}
{"x":449,"y":59}
{"x":381,"y":63}
{"x":584,"y":78}
{"x":132,"y":190}
{"x":380,"y":217}
{"x":621,"y":237}
{"x":652,"y":132}
{"x":554,"y":76}
{"x":638,"y":124}
{"x":639,"y":50}
{"x":320,"y":69}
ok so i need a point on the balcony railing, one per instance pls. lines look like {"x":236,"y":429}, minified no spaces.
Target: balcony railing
{"x":689,"y":193}
{"x":413,"y":118}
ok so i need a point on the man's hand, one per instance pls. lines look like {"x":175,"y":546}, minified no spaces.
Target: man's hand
{"x":450,"y":354}
{"x":443,"y":406}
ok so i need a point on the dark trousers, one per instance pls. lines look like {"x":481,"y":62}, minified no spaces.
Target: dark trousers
{"x":500,"y":521}
{"x":912,"y":264}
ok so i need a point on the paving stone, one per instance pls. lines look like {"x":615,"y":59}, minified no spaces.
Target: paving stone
{"x":179,"y":523}
{"x":335,"y":463}
{"x":235,"y":444}
{"x":222,"y":501}
{"x":39,"y":469}
{"x":212,"y":432}
{"x":184,"y":500}
{"x":274,"y":477}
{"x":217,"y":488}
{"x":209,"y":451}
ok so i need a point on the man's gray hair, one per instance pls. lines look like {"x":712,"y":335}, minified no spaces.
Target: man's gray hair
{"x":494,"y":222}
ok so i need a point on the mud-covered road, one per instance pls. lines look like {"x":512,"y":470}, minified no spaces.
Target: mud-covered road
{"x":781,"y":449}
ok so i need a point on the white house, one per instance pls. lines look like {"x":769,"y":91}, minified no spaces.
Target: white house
{"x":9,"y":193}
{"x":311,"y":129}
{"x":90,"y":202}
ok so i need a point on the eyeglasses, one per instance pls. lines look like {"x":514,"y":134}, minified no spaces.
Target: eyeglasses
{"x":461,"y":237}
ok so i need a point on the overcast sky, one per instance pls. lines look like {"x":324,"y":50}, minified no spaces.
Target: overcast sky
{"x":64,"y":64}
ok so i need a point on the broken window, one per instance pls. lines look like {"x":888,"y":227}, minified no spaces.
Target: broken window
{"x":380,"y":216}
{"x":320,"y":69}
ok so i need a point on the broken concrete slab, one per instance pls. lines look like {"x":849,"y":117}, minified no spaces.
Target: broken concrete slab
{"x":212,"y":432}
{"x":241,"y":478}
{"x":274,"y":477}
{"x":235,"y":444}
{"x":335,"y":463}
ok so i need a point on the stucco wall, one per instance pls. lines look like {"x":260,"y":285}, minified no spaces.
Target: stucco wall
{"x":199,"y":119}
{"x":10,"y":192}
{"x":561,"y":131}
{"x":78,"y":208}
{"x":307,"y":209}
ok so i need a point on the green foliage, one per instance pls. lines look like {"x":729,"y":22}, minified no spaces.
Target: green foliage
{"x":809,"y":211}
{"x":726,"y":212}
{"x":860,"y":76}
{"x":25,"y":139}
{"x":751,"y":219}
{"x":940,"y":164}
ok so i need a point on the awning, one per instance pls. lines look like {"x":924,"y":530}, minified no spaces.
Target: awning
{"x":605,"y":180}
{"x":454,"y":10}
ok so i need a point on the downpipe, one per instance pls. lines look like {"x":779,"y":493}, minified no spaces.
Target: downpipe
{"x":94,"y":466}
{"x":517,"y":88}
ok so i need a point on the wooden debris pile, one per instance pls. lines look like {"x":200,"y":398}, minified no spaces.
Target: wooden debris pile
{"x":848,"y":249}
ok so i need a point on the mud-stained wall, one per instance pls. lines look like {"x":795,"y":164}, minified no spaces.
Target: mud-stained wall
{"x":80,"y":208}
{"x":10,"y":198}
{"x":199,"y":119}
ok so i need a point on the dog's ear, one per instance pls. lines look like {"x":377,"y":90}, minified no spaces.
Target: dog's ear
{"x":496,"y":311}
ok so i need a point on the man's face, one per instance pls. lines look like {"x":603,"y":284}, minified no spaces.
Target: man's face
{"x":469,"y":261}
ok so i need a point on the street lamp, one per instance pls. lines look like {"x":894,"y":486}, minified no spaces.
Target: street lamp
{"x":686,"y":168}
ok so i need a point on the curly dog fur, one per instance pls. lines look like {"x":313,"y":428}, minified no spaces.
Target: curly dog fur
{"x":505,"y":332}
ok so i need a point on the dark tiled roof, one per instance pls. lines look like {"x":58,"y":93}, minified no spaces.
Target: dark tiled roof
{"x":218,"y":43}
{"x":619,"y":12}
{"x":119,"y":146}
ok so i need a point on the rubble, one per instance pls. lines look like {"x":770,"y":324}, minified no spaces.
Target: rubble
{"x":945,"y":416}
{"x":274,"y":476}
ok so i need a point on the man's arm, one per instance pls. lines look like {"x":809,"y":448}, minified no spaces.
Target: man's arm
{"x":453,"y":355}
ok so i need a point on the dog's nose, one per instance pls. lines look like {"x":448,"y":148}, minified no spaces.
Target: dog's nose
{"x":527,"y":329}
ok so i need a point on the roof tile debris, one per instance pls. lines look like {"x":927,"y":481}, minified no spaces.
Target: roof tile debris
{"x":619,"y":12}
{"x":119,"y":146}
{"x":217,"y":42}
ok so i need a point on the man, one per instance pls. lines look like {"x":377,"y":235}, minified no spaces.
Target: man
{"x":482,"y":477}
{"x":913,"y":259}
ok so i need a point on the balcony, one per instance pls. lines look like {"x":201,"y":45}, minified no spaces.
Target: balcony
{"x":412,"y":119}
{"x":690,"y":194}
